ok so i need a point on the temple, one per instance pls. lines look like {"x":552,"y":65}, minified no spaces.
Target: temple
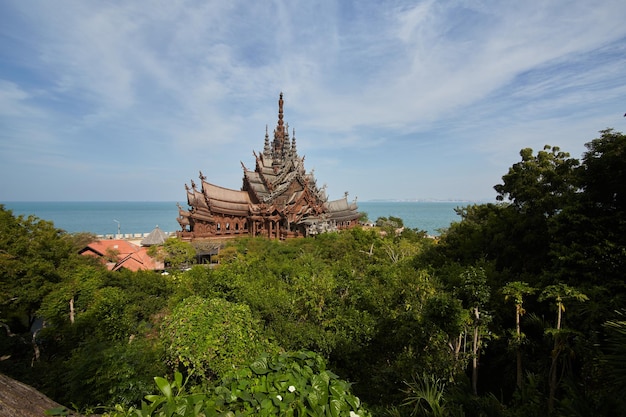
{"x":278,"y":199}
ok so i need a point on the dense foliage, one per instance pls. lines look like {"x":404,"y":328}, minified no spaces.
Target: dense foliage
{"x":288,"y":384}
{"x":516,"y":310}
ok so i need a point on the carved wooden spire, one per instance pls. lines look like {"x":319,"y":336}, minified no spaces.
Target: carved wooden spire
{"x":266,"y":148}
{"x":279,"y":132}
{"x":280,"y":111}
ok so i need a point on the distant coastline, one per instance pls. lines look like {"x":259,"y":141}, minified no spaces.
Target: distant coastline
{"x":141,"y":217}
{"x":428,"y":200}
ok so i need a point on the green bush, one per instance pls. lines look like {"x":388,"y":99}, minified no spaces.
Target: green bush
{"x":210,"y":337}
{"x":287,"y":384}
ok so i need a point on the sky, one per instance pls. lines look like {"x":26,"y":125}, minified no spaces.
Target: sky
{"x":409,"y":100}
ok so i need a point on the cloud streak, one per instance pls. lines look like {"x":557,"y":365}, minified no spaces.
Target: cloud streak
{"x":391,"y":99}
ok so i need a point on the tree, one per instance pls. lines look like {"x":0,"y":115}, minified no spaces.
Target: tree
{"x":476,"y":293}
{"x":443,"y":313}
{"x":175,"y":253}
{"x":33,"y":257}
{"x":209,"y":337}
{"x":602,"y":175}
{"x":539,"y":184}
{"x":390,"y":222}
{"x":614,"y":360}
{"x":591,"y":232}
{"x":559,"y":293}
{"x":516,"y":291}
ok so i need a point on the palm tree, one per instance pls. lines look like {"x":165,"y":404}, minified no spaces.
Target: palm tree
{"x":616,"y":347}
{"x":516,"y":290}
{"x":559,"y":293}
{"x":476,"y":292}
{"x":426,"y":395}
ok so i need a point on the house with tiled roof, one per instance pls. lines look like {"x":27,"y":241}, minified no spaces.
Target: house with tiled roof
{"x":121,"y":254}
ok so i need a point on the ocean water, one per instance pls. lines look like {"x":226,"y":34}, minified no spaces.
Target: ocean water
{"x":133,"y":217}
{"x":431,"y":217}
{"x":101,"y":218}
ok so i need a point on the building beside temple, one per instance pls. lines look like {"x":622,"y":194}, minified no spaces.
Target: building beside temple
{"x":278,"y":199}
{"x":118,"y":254}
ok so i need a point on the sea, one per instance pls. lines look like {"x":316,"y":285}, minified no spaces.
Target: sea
{"x":136,"y":218}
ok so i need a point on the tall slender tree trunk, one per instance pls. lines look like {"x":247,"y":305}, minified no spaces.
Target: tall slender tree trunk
{"x":518,"y":347}
{"x":553,"y":379}
{"x":36,"y":352}
{"x":72,"y":313}
{"x":475,"y":353}
{"x":555,"y":357}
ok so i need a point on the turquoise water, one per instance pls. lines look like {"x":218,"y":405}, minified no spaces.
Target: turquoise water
{"x":429,"y":216}
{"x":141,"y":217}
{"x":100,"y":217}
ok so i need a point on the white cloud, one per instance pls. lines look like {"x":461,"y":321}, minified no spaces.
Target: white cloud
{"x":192,"y":84}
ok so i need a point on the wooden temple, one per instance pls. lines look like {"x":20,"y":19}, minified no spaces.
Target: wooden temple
{"x":278,"y":199}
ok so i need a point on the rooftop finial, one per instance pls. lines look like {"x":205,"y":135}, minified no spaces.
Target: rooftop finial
{"x":280,"y":110}
{"x":266,"y":148}
{"x":279,"y":132}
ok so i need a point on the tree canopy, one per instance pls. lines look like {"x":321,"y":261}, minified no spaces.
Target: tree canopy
{"x":517,"y":308}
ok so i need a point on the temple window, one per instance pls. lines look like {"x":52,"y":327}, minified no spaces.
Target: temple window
{"x":219,"y":227}
{"x":227,"y":226}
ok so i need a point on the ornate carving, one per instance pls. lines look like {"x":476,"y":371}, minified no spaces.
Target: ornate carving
{"x":279,"y":199}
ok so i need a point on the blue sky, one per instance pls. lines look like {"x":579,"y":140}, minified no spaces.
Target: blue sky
{"x":129,"y":100}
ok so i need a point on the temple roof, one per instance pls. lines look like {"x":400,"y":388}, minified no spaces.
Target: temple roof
{"x":340,"y":210}
{"x":217,"y":193}
{"x":156,"y":237}
{"x":279,"y":187}
{"x":226,"y":200}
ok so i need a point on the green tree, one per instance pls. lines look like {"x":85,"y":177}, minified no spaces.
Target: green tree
{"x":175,"y":253}
{"x":444,"y":314}
{"x":391,"y":222}
{"x":516,"y":291}
{"x":559,"y":293}
{"x":103,"y":346}
{"x":538,"y":188}
{"x":614,"y":361}
{"x":591,"y":232}
{"x":476,"y":293}
{"x":490,"y":232}
{"x":106,"y":373}
{"x":33,"y":257}
{"x":209,"y":337}
{"x":541,"y":183}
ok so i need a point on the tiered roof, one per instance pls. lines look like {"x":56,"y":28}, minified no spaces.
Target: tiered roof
{"x":279,"y":186}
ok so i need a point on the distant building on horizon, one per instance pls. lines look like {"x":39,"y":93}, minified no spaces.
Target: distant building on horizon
{"x":278,"y":199}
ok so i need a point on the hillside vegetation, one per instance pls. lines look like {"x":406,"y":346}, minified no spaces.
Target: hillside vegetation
{"x":516,"y":310}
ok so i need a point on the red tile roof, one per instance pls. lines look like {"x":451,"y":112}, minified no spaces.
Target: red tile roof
{"x":128,"y":256}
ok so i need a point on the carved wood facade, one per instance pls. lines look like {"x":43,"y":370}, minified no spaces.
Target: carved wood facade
{"x":278,"y":199}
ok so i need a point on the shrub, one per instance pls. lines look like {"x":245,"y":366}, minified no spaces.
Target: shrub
{"x":287,"y":384}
